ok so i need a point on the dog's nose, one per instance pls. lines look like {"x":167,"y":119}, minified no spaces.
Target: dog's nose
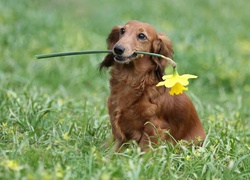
{"x":119,"y":50}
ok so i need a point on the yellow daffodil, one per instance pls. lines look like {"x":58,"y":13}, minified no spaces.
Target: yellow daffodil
{"x":176,"y":82}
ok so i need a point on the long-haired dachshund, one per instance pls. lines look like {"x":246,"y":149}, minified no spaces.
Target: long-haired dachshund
{"x":138,"y":109}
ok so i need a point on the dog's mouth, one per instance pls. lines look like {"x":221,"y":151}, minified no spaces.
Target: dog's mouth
{"x":124,"y":59}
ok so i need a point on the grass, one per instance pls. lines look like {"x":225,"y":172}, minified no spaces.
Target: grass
{"x":53,"y":116}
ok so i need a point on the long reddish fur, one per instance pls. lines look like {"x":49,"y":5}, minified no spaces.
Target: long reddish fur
{"x":138,"y":109}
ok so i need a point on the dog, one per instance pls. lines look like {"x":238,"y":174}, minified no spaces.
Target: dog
{"x":138,"y":109}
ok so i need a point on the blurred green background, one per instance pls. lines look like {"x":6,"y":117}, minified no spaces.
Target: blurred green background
{"x":211,"y":39}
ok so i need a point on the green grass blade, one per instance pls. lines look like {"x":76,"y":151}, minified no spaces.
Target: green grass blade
{"x":239,"y":161}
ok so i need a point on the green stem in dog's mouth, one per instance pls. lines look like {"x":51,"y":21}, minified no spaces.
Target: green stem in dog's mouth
{"x":72,"y":53}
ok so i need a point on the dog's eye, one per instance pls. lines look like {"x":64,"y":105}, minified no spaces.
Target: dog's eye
{"x":142,"y":36}
{"x":122,"y":30}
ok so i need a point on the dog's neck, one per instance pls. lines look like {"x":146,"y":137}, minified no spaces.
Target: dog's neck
{"x":134,"y":79}
{"x":134,"y":71}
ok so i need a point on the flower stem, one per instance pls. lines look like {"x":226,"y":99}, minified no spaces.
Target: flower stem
{"x":42,"y":56}
{"x":173,"y":64}
{"x":175,"y":72}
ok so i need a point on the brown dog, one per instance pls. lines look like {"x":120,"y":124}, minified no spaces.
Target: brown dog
{"x":138,"y":109}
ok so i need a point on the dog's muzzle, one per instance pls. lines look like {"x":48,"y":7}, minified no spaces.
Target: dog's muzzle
{"x":119,"y":57}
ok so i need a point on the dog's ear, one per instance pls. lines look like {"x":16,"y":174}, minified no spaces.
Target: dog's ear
{"x":111,"y":41}
{"x":161,"y":45}
{"x":113,"y":37}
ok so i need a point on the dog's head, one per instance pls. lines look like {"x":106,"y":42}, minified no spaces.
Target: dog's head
{"x":134,"y":36}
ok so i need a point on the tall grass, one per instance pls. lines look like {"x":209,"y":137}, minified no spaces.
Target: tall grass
{"x":53,"y":116}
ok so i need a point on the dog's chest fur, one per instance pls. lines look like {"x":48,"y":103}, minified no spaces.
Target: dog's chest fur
{"x":131,"y":101}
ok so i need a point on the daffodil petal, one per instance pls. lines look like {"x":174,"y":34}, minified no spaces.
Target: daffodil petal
{"x":189,"y":76}
{"x":183,"y":81}
{"x":161,"y":83}
{"x":167,"y":77}
{"x":170,"y":83}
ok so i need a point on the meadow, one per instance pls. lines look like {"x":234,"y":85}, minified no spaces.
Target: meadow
{"x":53,"y":116}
